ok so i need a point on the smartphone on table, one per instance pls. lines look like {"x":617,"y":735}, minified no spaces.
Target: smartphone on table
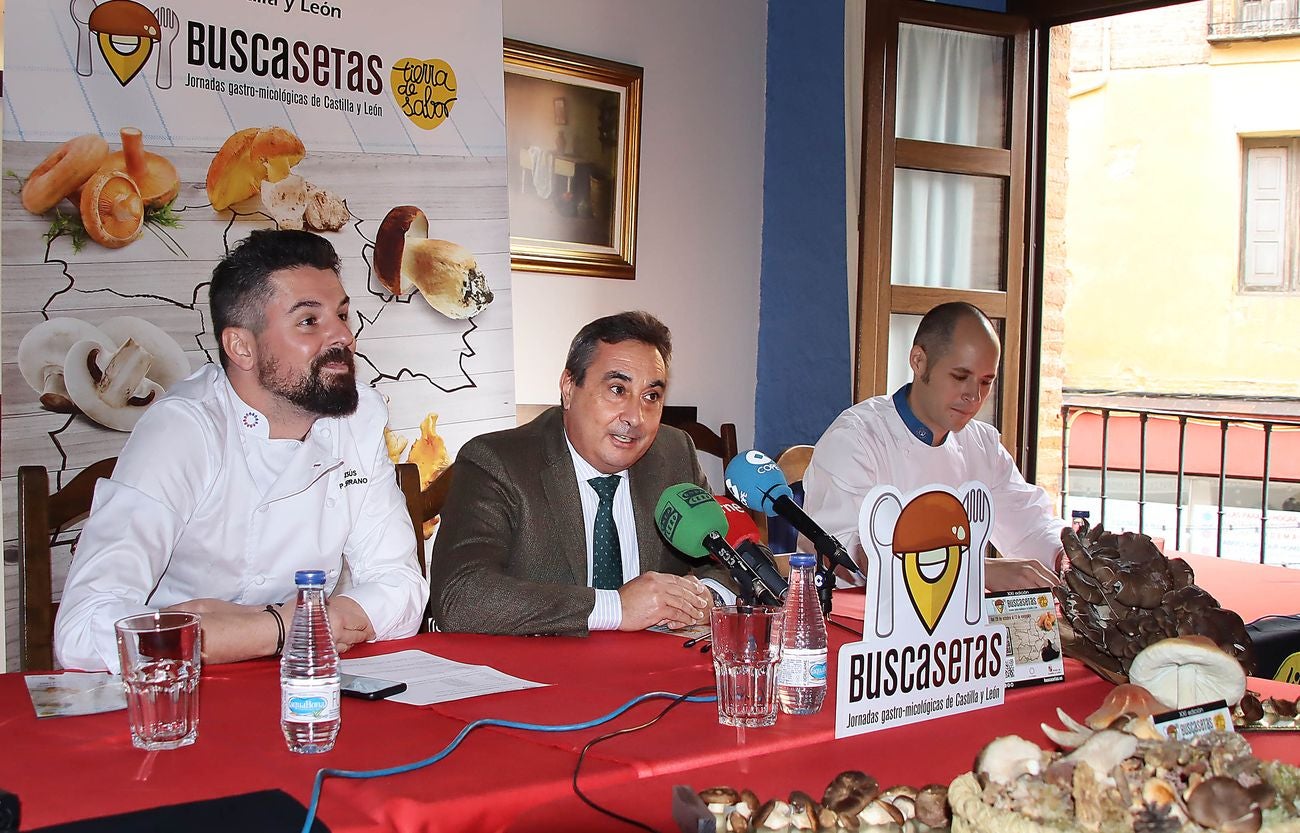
{"x":369,"y":688}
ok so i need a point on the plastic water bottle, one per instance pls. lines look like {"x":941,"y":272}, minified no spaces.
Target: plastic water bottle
{"x":309,"y":671}
{"x":801,"y":681}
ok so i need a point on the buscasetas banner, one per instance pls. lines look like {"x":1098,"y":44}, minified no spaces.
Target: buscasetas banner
{"x":141,"y":143}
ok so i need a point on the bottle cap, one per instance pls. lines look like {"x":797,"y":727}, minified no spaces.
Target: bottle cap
{"x":309,"y":578}
{"x":803,"y":559}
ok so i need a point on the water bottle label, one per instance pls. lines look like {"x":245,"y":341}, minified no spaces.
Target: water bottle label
{"x":802,"y":668}
{"x":309,"y":701}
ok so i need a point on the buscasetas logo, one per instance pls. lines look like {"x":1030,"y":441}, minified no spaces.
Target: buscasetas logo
{"x":127,"y":35}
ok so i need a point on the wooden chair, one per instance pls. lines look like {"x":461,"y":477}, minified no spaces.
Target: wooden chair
{"x":423,"y":505}
{"x":721,"y":444}
{"x":41,"y":518}
{"x":793,"y":462}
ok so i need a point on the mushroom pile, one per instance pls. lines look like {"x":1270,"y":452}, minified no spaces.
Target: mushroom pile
{"x":112,"y":190}
{"x":1121,"y":594}
{"x":110,"y":373}
{"x":1115,"y":781}
{"x":1259,"y":713}
{"x":853,"y":801}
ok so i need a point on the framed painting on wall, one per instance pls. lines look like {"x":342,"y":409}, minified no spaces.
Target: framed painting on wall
{"x":573,"y":131}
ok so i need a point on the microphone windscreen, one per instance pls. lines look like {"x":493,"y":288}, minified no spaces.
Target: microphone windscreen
{"x":740,"y":527}
{"x":756,"y":481}
{"x":686,"y":514}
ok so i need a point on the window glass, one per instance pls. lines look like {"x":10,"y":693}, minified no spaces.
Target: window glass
{"x":951,"y":86}
{"x":947,"y":230}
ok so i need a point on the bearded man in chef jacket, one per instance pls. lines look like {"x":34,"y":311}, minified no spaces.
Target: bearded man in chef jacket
{"x":244,"y":473}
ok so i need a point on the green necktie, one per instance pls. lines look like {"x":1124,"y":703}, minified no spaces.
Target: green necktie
{"x":606,"y":554}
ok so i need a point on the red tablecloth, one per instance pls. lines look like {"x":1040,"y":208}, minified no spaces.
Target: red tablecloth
{"x":922,"y":753}
{"x":1252,"y":590}
{"x":498,"y":777}
{"x":487,"y":781}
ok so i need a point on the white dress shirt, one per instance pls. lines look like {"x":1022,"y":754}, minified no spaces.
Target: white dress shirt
{"x":607,"y":615}
{"x":880,"y":441}
{"x":203,"y":504}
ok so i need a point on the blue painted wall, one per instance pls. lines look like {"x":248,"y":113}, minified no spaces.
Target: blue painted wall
{"x":804,"y":352}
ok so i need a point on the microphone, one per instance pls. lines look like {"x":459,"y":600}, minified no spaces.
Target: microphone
{"x":745,"y":539}
{"x":693,"y":523}
{"x":754,"y":479}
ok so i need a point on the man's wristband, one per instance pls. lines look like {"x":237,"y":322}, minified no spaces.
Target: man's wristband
{"x":279,"y":624}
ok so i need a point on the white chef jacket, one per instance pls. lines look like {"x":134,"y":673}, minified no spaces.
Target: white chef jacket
{"x":880,"y":441}
{"x":203,"y":504}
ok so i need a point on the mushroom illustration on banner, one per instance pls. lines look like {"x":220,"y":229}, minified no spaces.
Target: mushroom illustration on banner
{"x":126,"y":32}
{"x":110,"y":373}
{"x":930,"y":539}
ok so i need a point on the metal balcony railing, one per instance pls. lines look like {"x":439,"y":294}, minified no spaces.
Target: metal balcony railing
{"x":1254,"y":442}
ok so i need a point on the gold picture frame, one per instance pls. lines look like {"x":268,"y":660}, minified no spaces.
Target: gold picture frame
{"x":573,"y":150}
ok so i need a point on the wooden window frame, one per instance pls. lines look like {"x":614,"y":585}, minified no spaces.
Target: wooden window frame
{"x":882,"y":152}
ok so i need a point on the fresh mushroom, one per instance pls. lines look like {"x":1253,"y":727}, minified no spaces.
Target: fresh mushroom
{"x":1188,"y":671}
{"x":932,"y":805}
{"x":1125,"y":699}
{"x":446,"y":273}
{"x":803,"y":811}
{"x":43,"y":352}
{"x":113,"y":388}
{"x":1222,"y":804}
{"x":774,"y":815}
{"x":719,"y":799}
{"x":1104,"y":751}
{"x":153,"y":174}
{"x":1007,"y":758}
{"x":112,"y":209}
{"x":880,"y":813}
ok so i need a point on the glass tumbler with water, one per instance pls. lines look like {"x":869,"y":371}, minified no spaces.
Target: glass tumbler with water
{"x":161,"y":661}
{"x":309,"y":671}
{"x":746,"y":649}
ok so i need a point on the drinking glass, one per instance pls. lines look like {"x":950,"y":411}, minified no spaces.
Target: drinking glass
{"x":160,"y":655}
{"x":746,"y":650}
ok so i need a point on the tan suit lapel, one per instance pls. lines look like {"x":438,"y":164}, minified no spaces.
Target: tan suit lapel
{"x":560,"y":485}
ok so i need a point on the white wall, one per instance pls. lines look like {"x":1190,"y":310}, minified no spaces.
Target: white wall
{"x":700,"y":215}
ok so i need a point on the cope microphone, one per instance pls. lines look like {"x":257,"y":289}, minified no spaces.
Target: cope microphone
{"x":745,"y":539}
{"x":754,"y":479}
{"x":693,"y":523}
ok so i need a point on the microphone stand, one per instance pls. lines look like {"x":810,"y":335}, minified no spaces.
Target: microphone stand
{"x":751,"y":591}
{"x":825,"y":580}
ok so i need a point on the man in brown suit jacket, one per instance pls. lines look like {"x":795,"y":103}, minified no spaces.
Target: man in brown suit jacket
{"x":520,"y":548}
